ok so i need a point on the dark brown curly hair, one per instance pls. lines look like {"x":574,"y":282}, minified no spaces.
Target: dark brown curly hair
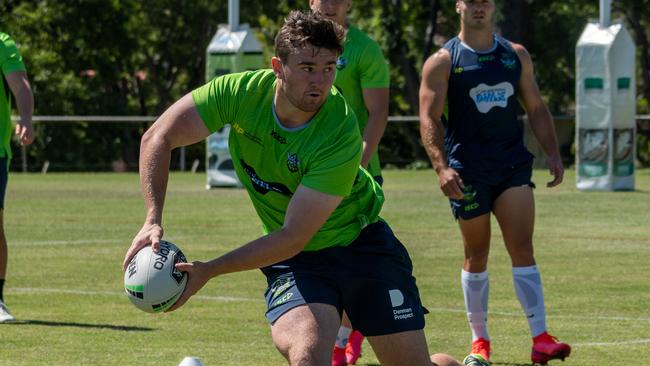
{"x":302,"y":28}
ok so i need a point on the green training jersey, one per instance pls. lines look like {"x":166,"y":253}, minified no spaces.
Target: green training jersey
{"x":10,"y":61}
{"x":271,"y":161}
{"x":361,"y":66}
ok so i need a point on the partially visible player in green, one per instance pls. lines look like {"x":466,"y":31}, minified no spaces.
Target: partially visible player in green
{"x":363,"y":78}
{"x":297,"y":149}
{"x":15,"y":78}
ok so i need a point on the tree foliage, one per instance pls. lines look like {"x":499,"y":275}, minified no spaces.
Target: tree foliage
{"x":131,"y":57}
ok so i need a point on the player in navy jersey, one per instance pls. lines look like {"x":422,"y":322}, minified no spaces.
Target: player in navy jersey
{"x":483,"y":165}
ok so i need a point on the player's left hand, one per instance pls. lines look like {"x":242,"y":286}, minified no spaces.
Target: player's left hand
{"x":556,"y":169}
{"x":198,"y":276}
{"x":25,"y":133}
{"x":149,"y":234}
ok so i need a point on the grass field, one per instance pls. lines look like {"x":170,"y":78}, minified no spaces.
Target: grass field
{"x":68,"y":234}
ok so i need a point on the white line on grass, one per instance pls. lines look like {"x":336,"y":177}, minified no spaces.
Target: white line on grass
{"x":112,"y":293}
{"x":511,"y":314}
{"x":247,"y":299}
{"x":64,"y":242}
{"x":79,"y":242}
{"x":602,"y":344}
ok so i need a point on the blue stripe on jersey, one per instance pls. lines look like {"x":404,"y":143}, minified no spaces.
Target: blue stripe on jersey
{"x":482,"y":132}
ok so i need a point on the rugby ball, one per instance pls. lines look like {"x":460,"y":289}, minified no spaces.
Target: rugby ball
{"x":151,"y":280}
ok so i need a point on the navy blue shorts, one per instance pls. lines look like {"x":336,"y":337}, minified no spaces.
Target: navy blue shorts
{"x":371,"y":279}
{"x":479,"y":196}
{"x":4,"y":176}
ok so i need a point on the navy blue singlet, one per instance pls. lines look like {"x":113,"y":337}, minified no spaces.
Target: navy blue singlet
{"x":483,"y":136}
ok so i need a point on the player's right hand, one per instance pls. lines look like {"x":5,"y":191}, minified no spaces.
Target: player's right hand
{"x":25,"y":133}
{"x":198,"y":276}
{"x":150,"y":234}
{"x":450,"y":183}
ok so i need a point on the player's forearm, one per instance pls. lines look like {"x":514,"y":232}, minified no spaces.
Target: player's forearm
{"x":24,"y":102}
{"x":432,"y":138}
{"x":541,"y":122}
{"x":155,"y":156}
{"x":264,"y":251}
{"x":372,"y":135}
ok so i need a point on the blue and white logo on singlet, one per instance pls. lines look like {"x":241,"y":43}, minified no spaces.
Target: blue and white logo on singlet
{"x":341,"y":62}
{"x":487,"y":97}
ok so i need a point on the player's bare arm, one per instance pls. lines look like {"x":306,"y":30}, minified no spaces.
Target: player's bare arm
{"x":433,"y":92}
{"x":307,"y":212}
{"x":539,"y":116}
{"x":376,"y":100}
{"x":180,"y":125}
{"x":20,"y":88}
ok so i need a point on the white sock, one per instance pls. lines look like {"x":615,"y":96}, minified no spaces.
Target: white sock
{"x":528,"y":286}
{"x":476,"y":287}
{"x":342,"y":337}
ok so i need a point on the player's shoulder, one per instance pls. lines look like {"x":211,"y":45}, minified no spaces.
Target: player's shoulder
{"x":359,"y":37}
{"x":255,"y":80}
{"x":439,"y":61}
{"x":338,"y":111}
{"x":514,"y":46}
{"x":253,"y":76}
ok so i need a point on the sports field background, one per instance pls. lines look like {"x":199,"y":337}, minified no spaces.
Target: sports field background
{"x":68,"y":234}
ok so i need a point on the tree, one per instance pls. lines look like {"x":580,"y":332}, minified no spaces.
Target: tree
{"x":127,"y":57}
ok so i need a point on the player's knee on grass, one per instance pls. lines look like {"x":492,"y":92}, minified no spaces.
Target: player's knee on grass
{"x":441,"y":359}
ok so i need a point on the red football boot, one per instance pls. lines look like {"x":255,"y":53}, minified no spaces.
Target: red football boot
{"x":546,"y":348}
{"x":353,"y":348}
{"x":481,"y":347}
{"x":338,"y":357}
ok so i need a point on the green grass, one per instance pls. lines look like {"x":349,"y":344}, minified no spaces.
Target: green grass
{"x":68,"y":234}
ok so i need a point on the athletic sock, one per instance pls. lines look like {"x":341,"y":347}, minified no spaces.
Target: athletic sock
{"x":2,"y":285}
{"x":476,"y":287}
{"x":528,"y":286}
{"x":342,"y":337}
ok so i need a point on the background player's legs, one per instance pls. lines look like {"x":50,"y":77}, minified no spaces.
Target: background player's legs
{"x":5,"y":315}
{"x":476,"y":241}
{"x":474,"y":279}
{"x":404,"y":348}
{"x":347,"y":348}
{"x":3,"y":251}
{"x":515,"y":212}
{"x":304,"y":334}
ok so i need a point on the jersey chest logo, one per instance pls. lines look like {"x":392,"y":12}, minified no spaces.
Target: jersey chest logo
{"x":262,"y":186}
{"x":292,"y":162}
{"x":487,"y":97}
{"x":508,"y":61}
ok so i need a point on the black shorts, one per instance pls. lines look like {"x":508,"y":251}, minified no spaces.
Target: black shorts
{"x":371,"y":279}
{"x":4,"y":176}
{"x":479,"y":196}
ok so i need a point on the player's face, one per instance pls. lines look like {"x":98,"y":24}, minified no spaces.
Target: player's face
{"x":475,"y":14}
{"x":305,"y":79}
{"x":335,"y":10}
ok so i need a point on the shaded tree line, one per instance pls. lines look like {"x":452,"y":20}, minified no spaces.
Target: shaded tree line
{"x":130,"y":57}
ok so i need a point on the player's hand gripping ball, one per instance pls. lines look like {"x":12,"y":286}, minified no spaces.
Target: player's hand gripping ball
{"x":151,"y":280}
